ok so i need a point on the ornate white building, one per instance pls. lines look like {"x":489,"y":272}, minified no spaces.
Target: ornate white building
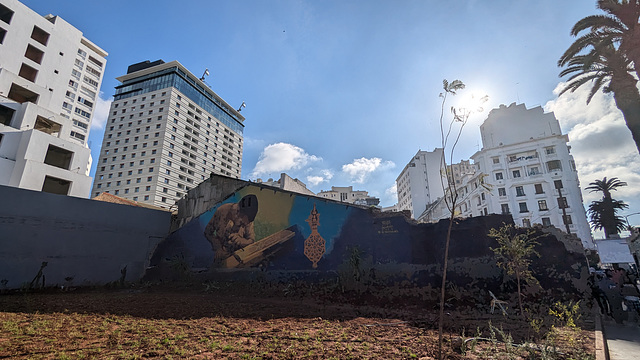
{"x":167,"y":131}
{"x":50,"y":76}
{"x":524,"y":169}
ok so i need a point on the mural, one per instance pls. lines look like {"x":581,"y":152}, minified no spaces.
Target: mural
{"x":288,"y":233}
{"x":314,"y":246}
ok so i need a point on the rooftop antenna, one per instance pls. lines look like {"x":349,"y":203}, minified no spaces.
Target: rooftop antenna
{"x":206,"y":73}
{"x":242,"y":106}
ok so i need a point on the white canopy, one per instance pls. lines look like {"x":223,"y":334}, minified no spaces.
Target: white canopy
{"x":615,"y":251}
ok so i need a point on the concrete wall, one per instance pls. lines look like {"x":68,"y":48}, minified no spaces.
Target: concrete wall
{"x":84,"y":242}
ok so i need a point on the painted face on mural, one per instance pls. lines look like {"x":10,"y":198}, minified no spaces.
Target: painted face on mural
{"x":231,"y":227}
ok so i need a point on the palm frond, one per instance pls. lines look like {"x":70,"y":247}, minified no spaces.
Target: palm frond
{"x":594,"y":22}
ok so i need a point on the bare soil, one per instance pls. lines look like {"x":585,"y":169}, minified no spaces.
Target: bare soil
{"x":228,"y":321}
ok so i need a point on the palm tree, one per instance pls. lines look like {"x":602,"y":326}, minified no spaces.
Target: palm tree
{"x":618,"y":26}
{"x":608,"y":69}
{"x":603,"y":212}
{"x":606,"y":56}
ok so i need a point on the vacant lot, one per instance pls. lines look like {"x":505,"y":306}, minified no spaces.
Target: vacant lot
{"x":221,"y":322}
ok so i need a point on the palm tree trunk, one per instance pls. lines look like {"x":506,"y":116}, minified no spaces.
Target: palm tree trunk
{"x":627,"y":98}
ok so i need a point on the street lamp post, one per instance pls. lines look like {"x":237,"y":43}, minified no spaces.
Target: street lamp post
{"x":626,"y":219}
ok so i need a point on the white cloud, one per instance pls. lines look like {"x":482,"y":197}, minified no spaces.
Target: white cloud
{"x":360,"y":169}
{"x":392,"y":191}
{"x":600,"y":142}
{"x":282,"y":157}
{"x":315,"y":180}
{"x":323,"y":176}
{"x":101,"y":112}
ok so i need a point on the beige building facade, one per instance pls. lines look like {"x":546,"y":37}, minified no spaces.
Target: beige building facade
{"x":166,"y":132}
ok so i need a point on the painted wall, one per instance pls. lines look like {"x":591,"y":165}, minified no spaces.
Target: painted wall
{"x":83,"y":242}
{"x":279,"y":231}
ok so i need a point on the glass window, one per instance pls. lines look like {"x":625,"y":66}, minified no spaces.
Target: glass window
{"x":562,"y":202}
{"x":520,"y":191}
{"x":498,"y":176}
{"x":539,"y":189}
{"x":523,"y":207}
{"x":542,"y":205}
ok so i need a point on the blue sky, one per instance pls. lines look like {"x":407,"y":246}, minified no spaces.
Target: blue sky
{"x":346,"y":92}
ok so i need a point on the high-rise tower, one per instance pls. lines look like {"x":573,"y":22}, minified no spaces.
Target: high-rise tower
{"x":166,"y":132}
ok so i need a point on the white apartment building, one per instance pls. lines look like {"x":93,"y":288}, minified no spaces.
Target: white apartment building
{"x":524,"y":169}
{"x":50,"y":77}
{"x":166,"y":132}
{"x":348,"y":195}
{"x":421,"y":182}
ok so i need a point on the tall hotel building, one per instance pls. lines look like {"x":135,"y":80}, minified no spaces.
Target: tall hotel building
{"x":50,"y":76}
{"x":166,"y":132}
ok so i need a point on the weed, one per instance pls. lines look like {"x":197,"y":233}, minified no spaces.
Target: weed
{"x":566,"y":314}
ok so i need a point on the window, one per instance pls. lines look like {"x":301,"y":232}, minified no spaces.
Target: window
{"x":29,"y":73}
{"x":549,"y":150}
{"x":554,"y":165}
{"x":502,"y":192}
{"x":40,"y":35}
{"x":562,"y":202}
{"x":496,"y":160}
{"x":534,"y":170}
{"x":567,"y":219}
{"x":34,"y":54}
{"x":5,"y":14}
{"x":146,"y":197}
{"x":505,"y":209}
{"x":557,"y":184}
{"x":542,"y":205}
{"x":498,"y":176}
{"x":523,"y":207}
{"x":519,"y":191}
{"x":546,"y":221}
{"x":56,"y":186}
{"x":526,"y":223}
{"x":539,"y":189}
{"x":6,"y":114}
{"x":58,"y":157}
{"x":3,"y":32}
{"x":516,"y":173}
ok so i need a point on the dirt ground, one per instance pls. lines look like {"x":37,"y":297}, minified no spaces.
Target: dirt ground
{"x":225,"y":321}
